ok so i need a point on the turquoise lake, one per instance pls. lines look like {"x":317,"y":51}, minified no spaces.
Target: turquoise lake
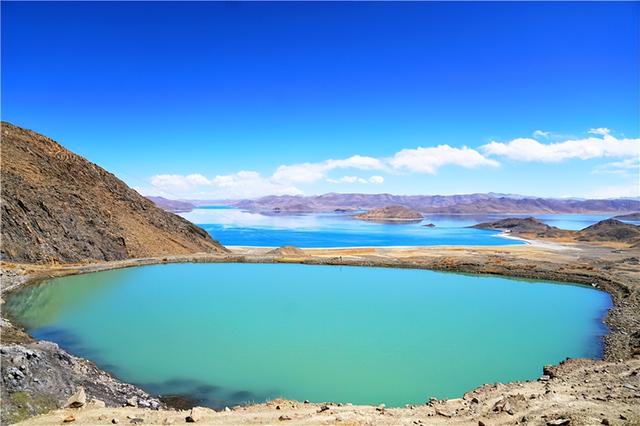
{"x":235,"y":227}
{"x":225,"y":334}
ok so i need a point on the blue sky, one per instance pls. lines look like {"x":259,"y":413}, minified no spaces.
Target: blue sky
{"x":228,"y":100}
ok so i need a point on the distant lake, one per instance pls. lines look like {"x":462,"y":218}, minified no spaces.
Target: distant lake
{"x":225,"y":334}
{"x":235,"y":227}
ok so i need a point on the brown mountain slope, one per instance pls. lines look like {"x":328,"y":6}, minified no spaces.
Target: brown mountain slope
{"x":611,"y":230}
{"x":59,"y":207}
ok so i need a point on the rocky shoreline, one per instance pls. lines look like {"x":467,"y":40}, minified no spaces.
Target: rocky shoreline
{"x":39,"y":376}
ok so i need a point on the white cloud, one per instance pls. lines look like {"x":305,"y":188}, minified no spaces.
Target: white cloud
{"x":599,"y":143}
{"x":347,"y":179}
{"x":356,"y":179}
{"x":527,"y":149}
{"x":244,"y":184}
{"x":429,"y":160}
{"x":629,"y":167}
{"x":311,"y":172}
{"x":620,"y":191}
{"x":541,"y":134}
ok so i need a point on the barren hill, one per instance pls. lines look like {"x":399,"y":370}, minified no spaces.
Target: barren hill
{"x":59,"y":207}
{"x":608,"y":230}
{"x":611,"y":230}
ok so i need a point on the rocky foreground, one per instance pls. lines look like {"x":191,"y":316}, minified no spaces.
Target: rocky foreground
{"x":578,"y":392}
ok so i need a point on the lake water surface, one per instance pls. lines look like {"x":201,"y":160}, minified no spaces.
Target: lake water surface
{"x":226,"y":334}
{"x":235,"y":227}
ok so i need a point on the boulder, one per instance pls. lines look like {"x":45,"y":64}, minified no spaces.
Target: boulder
{"x":77,"y":400}
{"x":196,"y":414}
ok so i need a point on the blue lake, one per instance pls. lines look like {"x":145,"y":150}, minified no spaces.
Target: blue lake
{"x":224,"y":334}
{"x":236,"y":227}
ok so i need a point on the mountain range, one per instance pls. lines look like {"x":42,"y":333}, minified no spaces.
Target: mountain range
{"x":493,"y":203}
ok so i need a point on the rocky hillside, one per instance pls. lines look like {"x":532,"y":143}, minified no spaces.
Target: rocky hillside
{"x":399,"y":213}
{"x":611,"y":230}
{"x":59,"y":207}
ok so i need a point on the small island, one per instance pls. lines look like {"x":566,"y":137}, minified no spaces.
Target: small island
{"x":391,"y":214}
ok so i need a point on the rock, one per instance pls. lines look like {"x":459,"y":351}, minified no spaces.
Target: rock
{"x":15,"y":373}
{"x":287,"y":251}
{"x":96,"y":403}
{"x":549,"y":370}
{"x":605,"y":422}
{"x":559,"y":422}
{"x":380,"y":408}
{"x":132,"y":402}
{"x":323,"y":408}
{"x":69,"y":419}
{"x":475,"y":400}
{"x":115,"y":421}
{"x":227,"y":409}
{"x":443,"y":413}
{"x":283,"y":418}
{"x":77,"y":400}
{"x":429,"y":225}
{"x":481,"y":423}
{"x":136,"y":421}
{"x":544,"y":378}
{"x":196,"y":414}
{"x":144,"y":403}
